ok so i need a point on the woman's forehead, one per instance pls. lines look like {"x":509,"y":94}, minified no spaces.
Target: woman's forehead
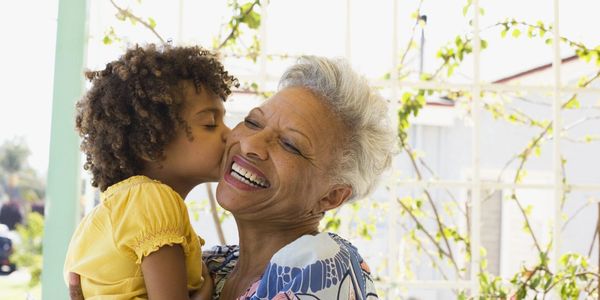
{"x":298,"y":105}
{"x":299,"y":109}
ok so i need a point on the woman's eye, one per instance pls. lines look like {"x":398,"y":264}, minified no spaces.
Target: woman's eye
{"x":251,"y":123}
{"x":290,"y":147}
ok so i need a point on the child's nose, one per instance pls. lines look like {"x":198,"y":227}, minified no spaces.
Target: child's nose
{"x":225,"y":133}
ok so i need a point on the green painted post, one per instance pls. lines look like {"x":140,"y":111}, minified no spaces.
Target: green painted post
{"x":62,"y":196}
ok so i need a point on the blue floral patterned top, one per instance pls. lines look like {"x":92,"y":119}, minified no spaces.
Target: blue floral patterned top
{"x":322,"y":266}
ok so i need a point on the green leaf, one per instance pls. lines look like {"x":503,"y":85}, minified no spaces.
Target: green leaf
{"x":589,"y":138}
{"x":582,"y":81}
{"x":521,"y":293}
{"x":538,"y":151}
{"x":547,"y":284}
{"x":543,"y":258}
{"x":466,"y":7}
{"x":458,"y":41}
{"x":528,"y":209}
{"x":250,"y":17}
{"x":535,"y":282}
{"x":107,"y":40}
{"x":484,"y":44}
{"x":503,"y":33}
{"x":252,"y":20}
{"x":451,"y":68}
{"x":152,"y":23}
{"x":120,"y":16}
{"x":573,"y":103}
{"x":516,"y":33}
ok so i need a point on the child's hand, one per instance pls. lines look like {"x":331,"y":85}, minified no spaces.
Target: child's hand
{"x":206,"y":291}
{"x":75,"y":292}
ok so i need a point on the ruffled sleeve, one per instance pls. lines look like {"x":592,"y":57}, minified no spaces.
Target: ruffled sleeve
{"x":150,"y":216}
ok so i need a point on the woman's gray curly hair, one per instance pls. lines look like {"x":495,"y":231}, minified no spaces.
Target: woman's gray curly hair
{"x":370,"y":141}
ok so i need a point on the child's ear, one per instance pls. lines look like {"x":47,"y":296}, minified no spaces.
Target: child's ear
{"x":145,"y":157}
{"x":147,"y":160}
{"x":337,"y":195}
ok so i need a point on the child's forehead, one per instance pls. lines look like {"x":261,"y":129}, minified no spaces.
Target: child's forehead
{"x":203,"y":99}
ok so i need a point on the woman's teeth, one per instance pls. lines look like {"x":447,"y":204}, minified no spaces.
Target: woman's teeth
{"x":247,"y":177}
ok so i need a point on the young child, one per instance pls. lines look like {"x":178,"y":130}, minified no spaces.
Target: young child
{"x":152,"y":129}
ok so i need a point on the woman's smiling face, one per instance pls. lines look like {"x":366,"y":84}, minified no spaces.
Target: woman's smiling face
{"x":278,"y":159}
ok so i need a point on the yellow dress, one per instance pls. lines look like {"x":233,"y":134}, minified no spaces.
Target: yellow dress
{"x":137,"y":216}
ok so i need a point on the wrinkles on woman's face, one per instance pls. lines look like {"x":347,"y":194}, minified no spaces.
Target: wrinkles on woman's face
{"x":292,"y":141}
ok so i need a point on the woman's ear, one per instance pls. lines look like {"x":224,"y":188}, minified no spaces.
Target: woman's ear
{"x":336,"y":196}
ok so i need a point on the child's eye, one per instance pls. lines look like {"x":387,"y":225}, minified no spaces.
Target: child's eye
{"x":210,"y":125}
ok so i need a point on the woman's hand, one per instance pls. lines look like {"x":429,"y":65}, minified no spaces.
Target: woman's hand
{"x":75,"y":291}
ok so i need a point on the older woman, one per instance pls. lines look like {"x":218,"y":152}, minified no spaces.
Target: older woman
{"x":321,"y":141}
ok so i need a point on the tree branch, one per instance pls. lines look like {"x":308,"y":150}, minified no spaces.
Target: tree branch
{"x":430,"y":255}
{"x":127,"y":13}
{"x":214,"y":214}
{"x":236,"y":25}
{"x":431,"y":238}
{"x":412,"y":35}
{"x":429,"y":198}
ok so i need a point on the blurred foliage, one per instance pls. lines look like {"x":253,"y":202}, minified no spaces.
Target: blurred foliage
{"x":28,"y":252}
{"x":22,"y":186}
{"x":431,"y":226}
{"x":17,"y":178}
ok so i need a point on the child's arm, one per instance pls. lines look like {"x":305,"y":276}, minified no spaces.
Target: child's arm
{"x":165,"y":273}
{"x":206,"y":291}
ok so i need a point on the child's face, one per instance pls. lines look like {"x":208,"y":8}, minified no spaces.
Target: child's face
{"x":191,"y":162}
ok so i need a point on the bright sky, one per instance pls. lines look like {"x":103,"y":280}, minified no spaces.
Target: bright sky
{"x":309,"y":26}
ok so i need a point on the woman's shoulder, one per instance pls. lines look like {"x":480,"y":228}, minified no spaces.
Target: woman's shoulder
{"x":220,"y":260}
{"x":310,"y":248}
{"x":322,"y":265}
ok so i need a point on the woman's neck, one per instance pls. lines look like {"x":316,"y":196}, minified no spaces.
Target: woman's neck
{"x":258,"y":243}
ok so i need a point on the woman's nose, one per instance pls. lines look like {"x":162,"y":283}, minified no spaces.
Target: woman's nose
{"x":256,"y":145}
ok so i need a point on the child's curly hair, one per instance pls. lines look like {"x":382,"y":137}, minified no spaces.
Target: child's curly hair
{"x":132,"y":110}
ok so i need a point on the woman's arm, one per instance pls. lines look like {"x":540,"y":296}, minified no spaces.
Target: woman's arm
{"x":165,"y":274}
